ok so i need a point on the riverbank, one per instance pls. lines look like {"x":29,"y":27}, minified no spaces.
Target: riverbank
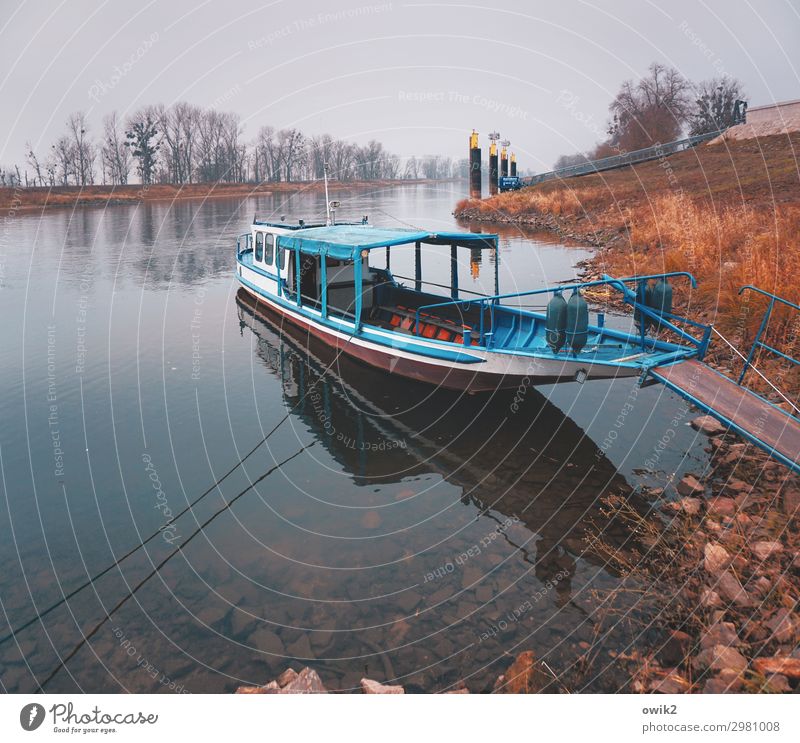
{"x":14,"y":199}
{"x":725,"y":541}
{"x":724,"y":546}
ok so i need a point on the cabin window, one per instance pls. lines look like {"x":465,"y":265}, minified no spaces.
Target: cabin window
{"x":259,"y":246}
{"x":269,"y":253}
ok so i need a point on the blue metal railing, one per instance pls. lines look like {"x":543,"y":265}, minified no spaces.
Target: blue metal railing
{"x":758,"y":343}
{"x":628,"y":158}
{"x":661,"y":319}
{"x":248,"y":240}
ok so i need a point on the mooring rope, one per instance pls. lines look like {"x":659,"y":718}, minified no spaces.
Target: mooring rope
{"x":41,"y":615}
{"x":133,"y":550}
{"x":160,"y":565}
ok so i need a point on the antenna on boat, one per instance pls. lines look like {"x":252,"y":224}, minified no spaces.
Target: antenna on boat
{"x":328,"y":218}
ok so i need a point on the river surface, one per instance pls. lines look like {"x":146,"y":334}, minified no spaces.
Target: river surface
{"x":414,"y":536}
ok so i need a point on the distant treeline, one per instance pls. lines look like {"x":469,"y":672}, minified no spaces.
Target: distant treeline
{"x":183,"y":143}
{"x":661,"y":107}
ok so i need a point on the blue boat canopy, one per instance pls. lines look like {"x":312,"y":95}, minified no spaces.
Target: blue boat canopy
{"x":345,"y":242}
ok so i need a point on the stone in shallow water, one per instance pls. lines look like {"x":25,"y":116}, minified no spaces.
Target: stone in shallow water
{"x":708,"y":425}
{"x":266,"y":640}
{"x":721,"y":506}
{"x":286,"y":677}
{"x":301,"y":648}
{"x":524,"y":676}
{"x":368,"y":686}
{"x":690,"y":506}
{"x":371,"y":520}
{"x":690,"y":485}
{"x":307,"y":682}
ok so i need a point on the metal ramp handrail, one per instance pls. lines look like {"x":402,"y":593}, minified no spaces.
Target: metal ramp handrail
{"x":757,"y":342}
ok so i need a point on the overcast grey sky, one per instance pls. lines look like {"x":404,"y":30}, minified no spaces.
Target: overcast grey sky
{"x":415,"y":75}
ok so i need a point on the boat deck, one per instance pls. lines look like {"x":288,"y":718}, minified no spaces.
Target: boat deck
{"x":750,"y":415}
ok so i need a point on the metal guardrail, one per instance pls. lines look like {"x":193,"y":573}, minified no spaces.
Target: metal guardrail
{"x":618,"y":161}
{"x":758,"y":343}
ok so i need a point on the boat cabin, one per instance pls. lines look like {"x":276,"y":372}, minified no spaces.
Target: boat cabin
{"x":326,"y":270}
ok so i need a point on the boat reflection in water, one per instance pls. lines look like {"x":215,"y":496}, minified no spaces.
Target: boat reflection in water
{"x":520,"y":560}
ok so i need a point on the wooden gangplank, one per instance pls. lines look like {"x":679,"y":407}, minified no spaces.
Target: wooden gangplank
{"x":745,"y":412}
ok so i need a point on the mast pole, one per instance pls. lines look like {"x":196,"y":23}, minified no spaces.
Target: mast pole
{"x":327,"y":200}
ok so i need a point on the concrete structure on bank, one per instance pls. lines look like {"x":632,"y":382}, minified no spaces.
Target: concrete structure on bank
{"x":764,"y":121}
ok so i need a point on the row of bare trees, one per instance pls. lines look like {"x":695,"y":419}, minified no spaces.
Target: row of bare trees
{"x":184,"y":143}
{"x":659,"y":108}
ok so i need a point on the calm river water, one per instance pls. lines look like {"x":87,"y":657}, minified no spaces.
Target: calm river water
{"x":415,"y":536}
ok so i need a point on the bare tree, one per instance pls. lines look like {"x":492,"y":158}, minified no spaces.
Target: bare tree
{"x":64,"y":159}
{"x":179,"y":126}
{"x":292,"y":147}
{"x":342,"y":160}
{"x":654,"y":109}
{"x":320,"y":151}
{"x":233,"y":151}
{"x":392,"y":166}
{"x":714,"y":105}
{"x":33,"y":161}
{"x":114,"y":153}
{"x":83,"y":150}
{"x":411,"y":171}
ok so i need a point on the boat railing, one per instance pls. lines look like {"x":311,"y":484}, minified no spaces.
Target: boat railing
{"x":758,"y":343}
{"x":244,"y":244}
{"x":636,"y":299}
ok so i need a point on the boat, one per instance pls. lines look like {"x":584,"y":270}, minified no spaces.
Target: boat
{"x":324,"y":279}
